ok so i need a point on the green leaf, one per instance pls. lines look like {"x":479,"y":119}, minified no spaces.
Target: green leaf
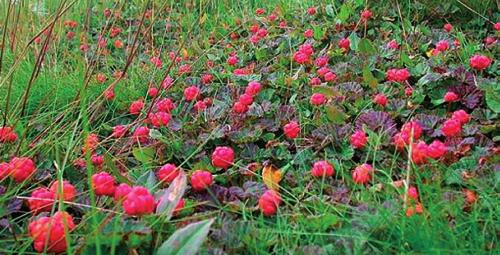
{"x":186,"y":240}
{"x":318,"y":32}
{"x":155,"y":134}
{"x":366,"y":46}
{"x":148,"y":180}
{"x":369,"y":78}
{"x":170,"y":197}
{"x":144,"y":155}
{"x":325,"y":90}
{"x":329,"y":10}
{"x":345,"y":12}
{"x":493,"y":100}
{"x":406,"y":59}
{"x":354,"y":39}
{"x":335,"y":114}
{"x":110,"y":164}
{"x":261,"y":54}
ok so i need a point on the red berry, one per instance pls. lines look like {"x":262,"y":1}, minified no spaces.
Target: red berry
{"x":419,"y":153}
{"x":109,"y":94}
{"x":479,"y":62}
{"x":200,"y":106}
{"x":269,"y":202}
{"x":408,"y":92}
{"x":118,"y":44}
{"x":362,"y":174}
{"x":139,"y":202}
{"x":380,"y":99}
{"x":436,"y":149}
{"x":246,"y":99}
{"x":317,"y":99}
{"x":141,"y":134}
{"x":496,"y":26}
{"x":180,"y":205}
{"x":4,"y":170}
{"x":153,"y":92}
{"x":450,"y":97}
{"x":159,"y":119}
{"x":41,"y":200}
{"x":322,"y":169}
{"x":97,"y":160}
{"x":329,"y":76}
{"x":345,"y":44}
{"x":253,"y":88}
{"x":323,"y":71}
{"x":49,"y":233}
{"x":451,"y":127}
{"x":7,"y":135}
{"x":119,"y":131}
{"x":311,"y":10}
{"x":397,"y":75}
{"x":232,"y":60}
{"x":156,"y":61}
{"x":136,"y":107}
{"x":239,"y":107}
{"x":291,"y":130}
{"x":21,"y":168}
{"x":200,"y":180}
{"x":308,"y":33}
{"x":462,"y":116}
{"x":164,"y":105}
{"x":358,"y":139}
{"x":412,"y":193}
{"x":67,"y":192}
{"x":315,"y":81}
{"x":400,"y":140}
{"x":366,"y":15}
{"x":121,"y":192}
{"x":223,"y":157}
{"x":393,"y":44}
{"x":409,"y":128}
{"x":191,"y":93}
{"x":260,"y":11}
{"x":448,"y":27}
{"x":442,"y":45}
{"x":206,"y":78}
{"x":103,"y":184}
{"x":167,"y":173}
{"x":321,"y":61}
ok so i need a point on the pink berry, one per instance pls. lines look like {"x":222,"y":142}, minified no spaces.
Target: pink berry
{"x":322,"y":169}
{"x":269,"y":202}
{"x":103,"y":184}
{"x":200,"y":180}
{"x":139,"y":202}
{"x":291,"y":129}
{"x":223,"y":157}
{"x":362,"y":174}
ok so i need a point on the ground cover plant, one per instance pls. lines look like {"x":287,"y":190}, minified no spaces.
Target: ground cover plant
{"x":249,"y":127}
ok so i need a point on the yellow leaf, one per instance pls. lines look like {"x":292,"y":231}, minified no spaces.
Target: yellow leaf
{"x":429,"y":53}
{"x":271,"y":176}
{"x":203,"y":18}
{"x":185,"y":53}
